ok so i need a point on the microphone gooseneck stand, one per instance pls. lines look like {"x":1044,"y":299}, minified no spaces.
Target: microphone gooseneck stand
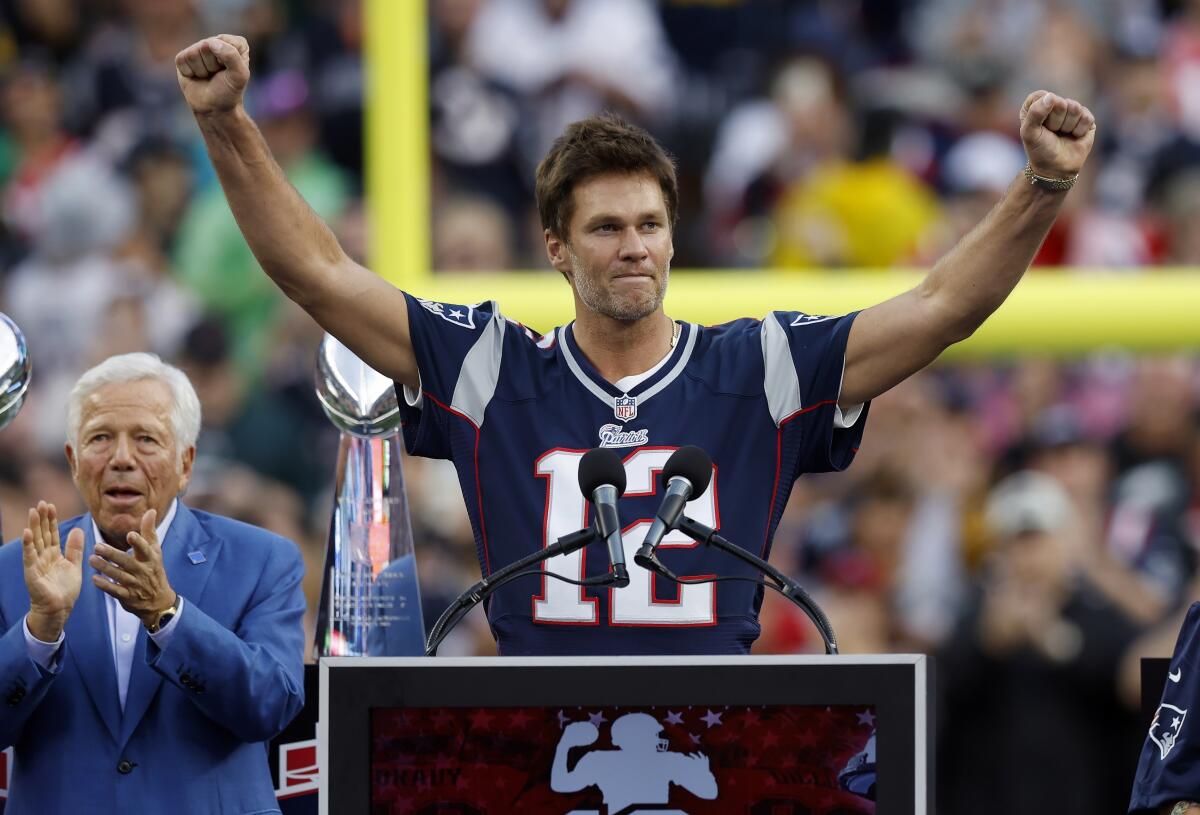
{"x":519,"y":568}
{"x":783,"y":584}
{"x":575,"y":541}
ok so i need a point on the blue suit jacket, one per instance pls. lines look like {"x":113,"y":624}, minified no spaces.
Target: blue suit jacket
{"x":197,"y":714}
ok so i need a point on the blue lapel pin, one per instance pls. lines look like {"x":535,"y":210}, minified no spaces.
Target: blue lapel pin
{"x":196,"y":558}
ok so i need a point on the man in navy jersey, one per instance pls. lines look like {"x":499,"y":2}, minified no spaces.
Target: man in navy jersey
{"x":768,"y":399}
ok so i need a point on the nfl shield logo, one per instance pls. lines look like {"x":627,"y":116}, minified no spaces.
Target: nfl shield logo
{"x":625,"y":408}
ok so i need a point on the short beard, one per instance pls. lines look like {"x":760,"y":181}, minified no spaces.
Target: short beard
{"x":604,"y":301}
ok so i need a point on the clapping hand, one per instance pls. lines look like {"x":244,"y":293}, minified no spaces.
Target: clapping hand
{"x":135,"y":577}
{"x":52,"y":576}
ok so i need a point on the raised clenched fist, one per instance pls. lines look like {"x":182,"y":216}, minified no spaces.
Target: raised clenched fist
{"x":213,"y":73}
{"x":1057,"y":133}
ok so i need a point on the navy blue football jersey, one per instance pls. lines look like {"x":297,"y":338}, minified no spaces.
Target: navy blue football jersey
{"x":516,"y":412}
{"x":1169,"y":766}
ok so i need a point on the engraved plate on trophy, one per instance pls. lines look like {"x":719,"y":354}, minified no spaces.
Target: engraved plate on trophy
{"x":370,"y":601}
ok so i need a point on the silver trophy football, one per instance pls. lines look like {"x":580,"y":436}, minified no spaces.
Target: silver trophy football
{"x":15,"y":369}
{"x":370,"y":601}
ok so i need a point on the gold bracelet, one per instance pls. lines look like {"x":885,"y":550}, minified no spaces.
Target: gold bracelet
{"x":1055,"y":184}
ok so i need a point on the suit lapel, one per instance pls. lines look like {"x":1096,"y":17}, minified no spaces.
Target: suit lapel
{"x":88,"y":643}
{"x":188,"y":557}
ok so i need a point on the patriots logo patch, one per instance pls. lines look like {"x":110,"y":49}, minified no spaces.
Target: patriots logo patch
{"x":1165,"y":729}
{"x":613,"y":435}
{"x":463,"y":316}
{"x":807,"y":319}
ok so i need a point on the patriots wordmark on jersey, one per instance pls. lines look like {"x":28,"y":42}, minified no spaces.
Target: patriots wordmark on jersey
{"x":516,"y":412}
{"x":1169,"y":766}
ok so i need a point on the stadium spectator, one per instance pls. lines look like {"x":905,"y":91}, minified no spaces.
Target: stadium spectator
{"x":1031,"y":668}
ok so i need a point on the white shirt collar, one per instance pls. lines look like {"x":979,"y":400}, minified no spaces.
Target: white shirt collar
{"x":628,"y":383}
{"x":160,"y":530}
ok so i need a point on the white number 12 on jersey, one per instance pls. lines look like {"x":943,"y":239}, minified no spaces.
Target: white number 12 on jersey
{"x":566,"y":511}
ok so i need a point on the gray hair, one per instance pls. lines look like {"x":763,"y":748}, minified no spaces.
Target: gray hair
{"x":185,"y":405}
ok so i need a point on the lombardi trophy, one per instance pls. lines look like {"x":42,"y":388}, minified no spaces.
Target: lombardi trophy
{"x":370,"y":602}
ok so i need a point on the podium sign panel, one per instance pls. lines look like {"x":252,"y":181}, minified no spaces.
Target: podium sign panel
{"x":608,"y":735}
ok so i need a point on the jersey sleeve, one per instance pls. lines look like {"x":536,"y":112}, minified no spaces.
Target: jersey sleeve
{"x":804,"y":358}
{"x":1169,"y":766}
{"x":458,"y":350}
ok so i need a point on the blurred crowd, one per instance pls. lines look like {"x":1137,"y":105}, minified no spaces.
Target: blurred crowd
{"x":822,"y":133}
{"x":1032,"y":523}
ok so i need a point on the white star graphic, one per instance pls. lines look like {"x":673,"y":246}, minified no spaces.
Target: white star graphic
{"x":695,"y":738}
{"x":674,"y":718}
{"x":867,"y":718}
{"x":454,"y":312}
{"x":1176,"y":722}
{"x":597,"y":718}
{"x":711,"y":719}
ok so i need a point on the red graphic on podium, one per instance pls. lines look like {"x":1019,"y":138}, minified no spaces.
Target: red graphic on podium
{"x":502,"y":760}
{"x":298,"y":772}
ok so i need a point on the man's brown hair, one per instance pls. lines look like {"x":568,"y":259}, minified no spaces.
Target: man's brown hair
{"x":599,"y":145}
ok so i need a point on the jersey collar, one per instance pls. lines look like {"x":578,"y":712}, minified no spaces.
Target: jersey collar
{"x":608,"y":393}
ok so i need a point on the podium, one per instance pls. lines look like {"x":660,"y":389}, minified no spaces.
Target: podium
{"x":608,"y":735}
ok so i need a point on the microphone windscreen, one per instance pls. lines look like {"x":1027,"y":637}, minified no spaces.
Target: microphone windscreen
{"x":693,"y":464}
{"x":601,"y":466}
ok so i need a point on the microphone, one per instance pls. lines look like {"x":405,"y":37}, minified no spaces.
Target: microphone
{"x":602,"y":481}
{"x":686,"y":474}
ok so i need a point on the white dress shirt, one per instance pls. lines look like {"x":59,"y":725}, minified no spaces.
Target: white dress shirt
{"x":122,"y":626}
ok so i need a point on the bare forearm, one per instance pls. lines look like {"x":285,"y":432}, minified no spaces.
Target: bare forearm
{"x":973,"y":279}
{"x":900,"y":336}
{"x":895,"y":339}
{"x":295,"y":247}
{"x":292,"y":244}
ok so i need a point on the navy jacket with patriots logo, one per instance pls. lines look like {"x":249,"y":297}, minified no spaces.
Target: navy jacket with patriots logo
{"x":1169,"y":766}
{"x":515,"y":412}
